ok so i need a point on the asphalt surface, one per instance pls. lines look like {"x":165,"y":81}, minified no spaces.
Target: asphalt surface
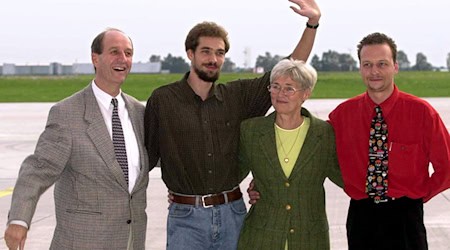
{"x":22,"y":123}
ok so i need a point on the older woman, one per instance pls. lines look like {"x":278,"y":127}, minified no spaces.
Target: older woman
{"x":290,"y":153}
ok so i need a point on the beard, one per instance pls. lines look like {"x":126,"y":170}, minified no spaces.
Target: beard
{"x":206,"y":76}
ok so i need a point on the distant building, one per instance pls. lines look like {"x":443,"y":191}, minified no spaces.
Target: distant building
{"x":8,"y":69}
{"x":148,"y":67}
{"x":58,"y":69}
{"x":82,"y":69}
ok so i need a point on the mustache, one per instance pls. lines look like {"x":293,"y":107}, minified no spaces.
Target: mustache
{"x":210,"y":64}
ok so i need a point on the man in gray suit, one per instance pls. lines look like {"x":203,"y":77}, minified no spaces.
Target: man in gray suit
{"x":100,"y":190}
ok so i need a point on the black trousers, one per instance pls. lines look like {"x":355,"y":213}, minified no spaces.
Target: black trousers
{"x":392,"y":225}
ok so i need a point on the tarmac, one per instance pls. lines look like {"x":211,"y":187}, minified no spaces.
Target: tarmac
{"x":22,"y":123}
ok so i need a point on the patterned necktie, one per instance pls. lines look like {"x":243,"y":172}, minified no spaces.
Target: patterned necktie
{"x":377,"y":172}
{"x":119,"y":140}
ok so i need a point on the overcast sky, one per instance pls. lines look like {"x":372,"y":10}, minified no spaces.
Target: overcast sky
{"x":44,"y":31}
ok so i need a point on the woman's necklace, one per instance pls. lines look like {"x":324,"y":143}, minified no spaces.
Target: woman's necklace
{"x":286,"y":158}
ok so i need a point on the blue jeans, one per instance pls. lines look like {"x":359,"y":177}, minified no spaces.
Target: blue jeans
{"x":196,"y":228}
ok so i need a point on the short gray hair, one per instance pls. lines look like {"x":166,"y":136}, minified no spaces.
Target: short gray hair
{"x":300,"y":72}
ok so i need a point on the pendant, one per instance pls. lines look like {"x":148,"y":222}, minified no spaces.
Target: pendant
{"x":286,"y":160}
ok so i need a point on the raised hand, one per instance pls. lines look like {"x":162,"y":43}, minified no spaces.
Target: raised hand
{"x":307,"y":8}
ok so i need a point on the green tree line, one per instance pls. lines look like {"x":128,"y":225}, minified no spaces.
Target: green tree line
{"x":330,"y":61}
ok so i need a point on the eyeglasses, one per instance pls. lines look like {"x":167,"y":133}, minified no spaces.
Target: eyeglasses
{"x":288,"y":90}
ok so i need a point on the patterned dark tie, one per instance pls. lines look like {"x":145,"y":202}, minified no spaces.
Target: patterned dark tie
{"x":119,"y":140}
{"x":377,"y":172}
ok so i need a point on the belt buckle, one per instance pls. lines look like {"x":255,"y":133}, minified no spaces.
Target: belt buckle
{"x":203,"y":201}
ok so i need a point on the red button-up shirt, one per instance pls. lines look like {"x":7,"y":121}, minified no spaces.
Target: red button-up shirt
{"x":417,"y":137}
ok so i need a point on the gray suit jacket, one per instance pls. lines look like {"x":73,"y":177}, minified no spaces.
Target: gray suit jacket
{"x":94,"y":208}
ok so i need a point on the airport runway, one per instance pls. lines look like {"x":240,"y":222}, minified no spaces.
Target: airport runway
{"x":22,"y":123}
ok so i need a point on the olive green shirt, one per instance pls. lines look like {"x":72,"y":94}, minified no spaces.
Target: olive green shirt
{"x":197,"y":141}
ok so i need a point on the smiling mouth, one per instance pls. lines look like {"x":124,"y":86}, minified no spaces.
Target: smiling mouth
{"x":374,"y":81}
{"x":211,"y":66}
{"x":119,"y":69}
{"x":211,"y":69}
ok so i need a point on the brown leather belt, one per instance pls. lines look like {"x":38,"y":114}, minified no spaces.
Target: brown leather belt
{"x":208,"y":200}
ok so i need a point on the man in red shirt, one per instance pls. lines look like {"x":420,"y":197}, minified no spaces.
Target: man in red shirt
{"x":386,"y":210}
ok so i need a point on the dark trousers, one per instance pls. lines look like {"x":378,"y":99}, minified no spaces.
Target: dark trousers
{"x":393,"y":225}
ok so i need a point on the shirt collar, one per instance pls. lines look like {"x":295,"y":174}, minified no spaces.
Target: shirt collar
{"x":387,"y":105}
{"x":213,"y":92}
{"x":104,"y":98}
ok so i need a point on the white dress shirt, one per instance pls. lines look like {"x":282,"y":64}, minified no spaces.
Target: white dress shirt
{"x":106,"y":107}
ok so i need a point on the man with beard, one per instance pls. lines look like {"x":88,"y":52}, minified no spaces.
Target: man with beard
{"x":192,"y":127}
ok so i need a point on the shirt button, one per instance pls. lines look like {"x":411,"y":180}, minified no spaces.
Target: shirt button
{"x":287,"y":184}
{"x":205,"y":121}
{"x":291,"y":231}
{"x":128,"y":221}
{"x":209,"y":154}
{"x":209,"y":171}
{"x":288,"y":207}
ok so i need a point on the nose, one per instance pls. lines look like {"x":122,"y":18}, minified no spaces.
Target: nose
{"x":374,"y":70}
{"x":213,"y":58}
{"x":122,"y":56}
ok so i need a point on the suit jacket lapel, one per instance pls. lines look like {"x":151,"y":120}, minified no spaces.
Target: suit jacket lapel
{"x":268,"y":144}
{"x":100,"y":137}
{"x":310,"y":145}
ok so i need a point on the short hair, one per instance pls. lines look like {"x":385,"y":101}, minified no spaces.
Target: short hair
{"x":97,"y":43}
{"x":206,"y":29}
{"x":300,"y":72}
{"x":375,"y":39}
